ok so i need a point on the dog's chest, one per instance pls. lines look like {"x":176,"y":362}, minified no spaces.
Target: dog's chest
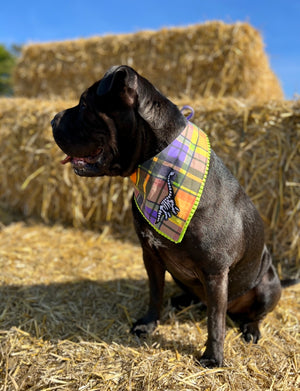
{"x":152,"y":238}
{"x":175,"y":259}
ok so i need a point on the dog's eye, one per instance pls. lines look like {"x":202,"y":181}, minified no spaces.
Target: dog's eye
{"x":82,"y":106}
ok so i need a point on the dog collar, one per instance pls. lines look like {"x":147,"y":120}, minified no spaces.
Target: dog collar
{"x":168,"y":187}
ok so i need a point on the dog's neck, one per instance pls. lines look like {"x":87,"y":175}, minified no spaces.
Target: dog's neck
{"x":148,"y":141}
{"x":158,"y":138}
{"x":161,"y":120}
{"x":171,"y":126}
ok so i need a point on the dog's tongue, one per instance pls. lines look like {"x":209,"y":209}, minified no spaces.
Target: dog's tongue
{"x":87,"y":159}
{"x":67,"y":159}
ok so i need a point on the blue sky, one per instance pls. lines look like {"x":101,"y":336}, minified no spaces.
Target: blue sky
{"x":42,"y":21}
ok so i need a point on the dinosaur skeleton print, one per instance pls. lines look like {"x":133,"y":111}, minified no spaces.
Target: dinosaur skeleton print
{"x":167,"y":205}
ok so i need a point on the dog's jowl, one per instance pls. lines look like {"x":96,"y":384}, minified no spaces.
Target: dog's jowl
{"x":191,"y":215}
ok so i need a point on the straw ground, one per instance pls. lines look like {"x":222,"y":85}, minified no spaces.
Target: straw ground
{"x":69,"y":297}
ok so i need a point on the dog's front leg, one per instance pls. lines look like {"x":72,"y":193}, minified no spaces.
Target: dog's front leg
{"x":156,"y":274}
{"x":217,"y":293}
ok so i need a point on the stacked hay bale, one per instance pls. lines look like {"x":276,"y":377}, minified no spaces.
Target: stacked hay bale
{"x":210,"y":59}
{"x":200,"y":63}
{"x":264,"y":140}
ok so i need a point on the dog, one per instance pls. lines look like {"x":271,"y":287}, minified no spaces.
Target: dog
{"x":121,"y":127}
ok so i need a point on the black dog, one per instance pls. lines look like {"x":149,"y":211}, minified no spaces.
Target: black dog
{"x":123,"y":121}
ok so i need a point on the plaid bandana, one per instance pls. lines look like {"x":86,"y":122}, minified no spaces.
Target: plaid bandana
{"x":169,"y":186}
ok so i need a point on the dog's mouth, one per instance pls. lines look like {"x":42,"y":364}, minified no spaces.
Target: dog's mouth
{"x":83,"y":161}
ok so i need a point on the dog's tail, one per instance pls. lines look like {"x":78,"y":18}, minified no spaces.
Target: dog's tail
{"x":289,"y":282}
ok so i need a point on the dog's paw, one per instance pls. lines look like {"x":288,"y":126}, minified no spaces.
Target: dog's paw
{"x":207,"y":362}
{"x":250,"y":332}
{"x":210,"y":359}
{"x":142,"y":328}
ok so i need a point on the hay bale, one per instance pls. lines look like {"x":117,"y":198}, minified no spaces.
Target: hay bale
{"x":260,"y":144}
{"x":213,"y":58}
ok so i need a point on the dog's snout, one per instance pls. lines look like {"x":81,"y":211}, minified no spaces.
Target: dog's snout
{"x":55,"y":122}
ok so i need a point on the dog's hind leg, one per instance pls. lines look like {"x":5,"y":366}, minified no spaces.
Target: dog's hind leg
{"x":185,"y":299}
{"x":252,"y":307}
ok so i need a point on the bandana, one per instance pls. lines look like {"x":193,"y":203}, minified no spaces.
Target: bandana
{"x":169,"y":186}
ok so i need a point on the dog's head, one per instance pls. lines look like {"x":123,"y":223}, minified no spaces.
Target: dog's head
{"x":116,"y":125}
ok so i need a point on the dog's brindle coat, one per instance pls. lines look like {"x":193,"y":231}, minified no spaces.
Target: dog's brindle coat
{"x":122,"y":121}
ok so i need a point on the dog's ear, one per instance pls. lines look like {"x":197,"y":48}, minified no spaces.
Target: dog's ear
{"x":121,"y":80}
